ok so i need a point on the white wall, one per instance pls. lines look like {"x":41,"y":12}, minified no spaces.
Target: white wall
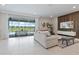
{"x":41,"y":20}
{"x":4,"y":26}
{"x":55,"y":24}
{"x":36,"y":24}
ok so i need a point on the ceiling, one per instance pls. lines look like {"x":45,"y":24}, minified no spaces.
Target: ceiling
{"x":45,"y":10}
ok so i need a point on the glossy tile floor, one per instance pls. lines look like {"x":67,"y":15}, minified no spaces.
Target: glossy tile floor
{"x":27,"y":46}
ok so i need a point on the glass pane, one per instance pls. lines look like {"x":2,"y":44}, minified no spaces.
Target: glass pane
{"x":21,"y":27}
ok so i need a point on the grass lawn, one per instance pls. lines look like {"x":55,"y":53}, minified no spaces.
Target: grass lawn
{"x":14,"y":29}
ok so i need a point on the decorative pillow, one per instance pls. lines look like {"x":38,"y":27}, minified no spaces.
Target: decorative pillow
{"x":47,"y":33}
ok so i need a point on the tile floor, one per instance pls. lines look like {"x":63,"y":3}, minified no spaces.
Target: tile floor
{"x":27,"y":46}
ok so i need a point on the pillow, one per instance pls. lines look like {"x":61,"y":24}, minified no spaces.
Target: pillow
{"x":47,"y":33}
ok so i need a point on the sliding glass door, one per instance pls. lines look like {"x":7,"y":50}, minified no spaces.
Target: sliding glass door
{"x":21,"y":27}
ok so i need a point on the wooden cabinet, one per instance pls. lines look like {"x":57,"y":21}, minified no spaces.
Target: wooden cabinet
{"x":64,"y":18}
{"x":70,"y":17}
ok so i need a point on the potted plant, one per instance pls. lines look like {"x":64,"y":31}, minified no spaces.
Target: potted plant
{"x":50,"y":28}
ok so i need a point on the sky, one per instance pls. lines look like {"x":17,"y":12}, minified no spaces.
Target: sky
{"x":27,"y":24}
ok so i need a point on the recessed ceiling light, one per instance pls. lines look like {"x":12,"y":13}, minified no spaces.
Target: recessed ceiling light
{"x":51,"y":16}
{"x":74,"y":6}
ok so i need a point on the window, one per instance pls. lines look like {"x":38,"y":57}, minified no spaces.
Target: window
{"x":21,"y":28}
